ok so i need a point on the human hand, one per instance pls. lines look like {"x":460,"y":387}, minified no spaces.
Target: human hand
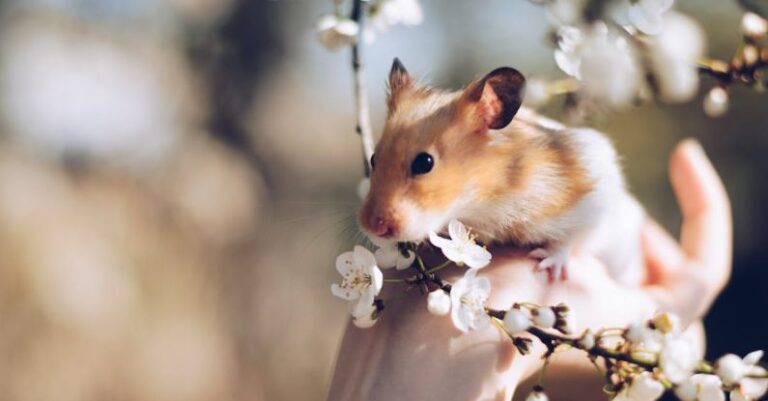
{"x":412,"y":355}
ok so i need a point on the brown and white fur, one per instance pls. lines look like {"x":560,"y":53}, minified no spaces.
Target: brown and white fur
{"x":512,"y":176}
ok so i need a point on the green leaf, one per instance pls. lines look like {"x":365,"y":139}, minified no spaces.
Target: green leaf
{"x":759,"y":7}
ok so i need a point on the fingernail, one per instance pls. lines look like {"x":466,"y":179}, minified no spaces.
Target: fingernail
{"x":694,"y":147}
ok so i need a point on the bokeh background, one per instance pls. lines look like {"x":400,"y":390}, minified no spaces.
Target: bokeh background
{"x":177,"y":177}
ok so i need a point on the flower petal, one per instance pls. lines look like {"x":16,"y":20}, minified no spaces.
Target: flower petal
{"x":437,"y":240}
{"x":344,"y":293}
{"x":363,"y":305}
{"x":345,"y":263}
{"x":753,"y":357}
{"x":364,"y":257}
{"x":477,"y":257}
{"x":377,"y":280}
{"x":457,"y":230}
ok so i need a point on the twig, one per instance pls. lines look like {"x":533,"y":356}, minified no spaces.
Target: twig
{"x":361,"y":93}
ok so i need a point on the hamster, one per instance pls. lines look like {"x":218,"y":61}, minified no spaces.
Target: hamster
{"x":510,"y":175}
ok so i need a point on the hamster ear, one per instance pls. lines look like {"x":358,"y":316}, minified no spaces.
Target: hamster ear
{"x":497,"y":97}
{"x":399,"y":82}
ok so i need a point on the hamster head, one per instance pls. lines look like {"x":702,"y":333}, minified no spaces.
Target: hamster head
{"x":438,"y":153}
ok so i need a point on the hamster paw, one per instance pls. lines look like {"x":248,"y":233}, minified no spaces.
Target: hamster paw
{"x":553,"y":262}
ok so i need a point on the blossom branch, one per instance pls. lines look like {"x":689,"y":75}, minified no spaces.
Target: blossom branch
{"x":363,"y":127}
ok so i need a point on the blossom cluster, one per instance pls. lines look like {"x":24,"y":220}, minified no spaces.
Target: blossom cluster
{"x":642,"y":361}
{"x":335,"y":31}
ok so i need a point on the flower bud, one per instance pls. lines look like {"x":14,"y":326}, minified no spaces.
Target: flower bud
{"x":587,"y":340}
{"x":438,"y":302}
{"x":753,"y":26}
{"x":645,"y":388}
{"x":716,"y":102}
{"x":730,"y":368}
{"x":516,"y":321}
{"x":544,"y":317}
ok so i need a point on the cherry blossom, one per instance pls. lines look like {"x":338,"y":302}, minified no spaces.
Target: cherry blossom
{"x":678,"y":358}
{"x":648,"y":15}
{"x":468,"y":297}
{"x":361,"y":279}
{"x":335,"y":32}
{"x":461,"y":248}
{"x":701,"y":387}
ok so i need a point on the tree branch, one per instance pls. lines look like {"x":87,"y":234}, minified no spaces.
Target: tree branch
{"x":363,"y":127}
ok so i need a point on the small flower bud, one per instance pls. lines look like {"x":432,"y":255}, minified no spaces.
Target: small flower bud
{"x":730,"y":368}
{"x":753,"y":26}
{"x":516,"y":321}
{"x":561,"y":309}
{"x":565,"y":323}
{"x":544,"y":317}
{"x":438,"y":302}
{"x":587,"y":340}
{"x":716,"y":102}
{"x":645,"y":388}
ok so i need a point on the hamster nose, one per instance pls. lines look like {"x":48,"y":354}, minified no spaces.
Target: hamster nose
{"x":383,"y":227}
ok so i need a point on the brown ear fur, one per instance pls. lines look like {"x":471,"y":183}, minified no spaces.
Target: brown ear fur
{"x":399,"y":82}
{"x":497,"y":96}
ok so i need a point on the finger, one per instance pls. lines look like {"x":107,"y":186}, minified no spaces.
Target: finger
{"x":663,"y":256}
{"x":706,"y":232}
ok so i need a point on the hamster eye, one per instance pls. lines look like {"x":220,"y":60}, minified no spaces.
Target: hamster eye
{"x":422,"y":164}
{"x":373,"y":161}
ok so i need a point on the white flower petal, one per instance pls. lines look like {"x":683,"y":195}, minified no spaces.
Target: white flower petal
{"x":344,"y":293}
{"x":363,"y":257}
{"x":438,"y":241}
{"x":753,"y":357}
{"x":477,"y":257}
{"x":363,"y":305}
{"x":457,"y":230}
{"x":645,"y":388}
{"x":345,"y":263}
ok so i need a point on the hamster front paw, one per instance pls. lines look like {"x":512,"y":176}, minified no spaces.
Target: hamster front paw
{"x":553,"y":261}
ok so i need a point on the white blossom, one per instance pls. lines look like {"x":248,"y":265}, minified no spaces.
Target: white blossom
{"x":461,"y":248}
{"x":678,"y":358}
{"x":609,"y":69}
{"x":648,"y":15}
{"x":468,"y":297}
{"x":544,"y":317}
{"x":568,"y":52}
{"x":438,"y":303}
{"x":701,"y":387}
{"x":390,"y":255}
{"x":537,"y":396}
{"x":335,"y":32}
{"x":645,"y":388}
{"x":361,"y":279}
{"x":587,"y":340}
{"x":643,"y":339}
{"x":565,"y":12}
{"x":716,"y":102}
{"x":753,"y":25}
{"x":673,"y":55}
{"x":731,"y":368}
{"x":388,"y":13}
{"x":517,"y":321}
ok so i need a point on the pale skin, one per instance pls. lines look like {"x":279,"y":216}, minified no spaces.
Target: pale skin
{"x":412,"y":355}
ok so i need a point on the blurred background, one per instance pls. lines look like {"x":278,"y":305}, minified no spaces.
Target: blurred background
{"x":177,"y":177}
